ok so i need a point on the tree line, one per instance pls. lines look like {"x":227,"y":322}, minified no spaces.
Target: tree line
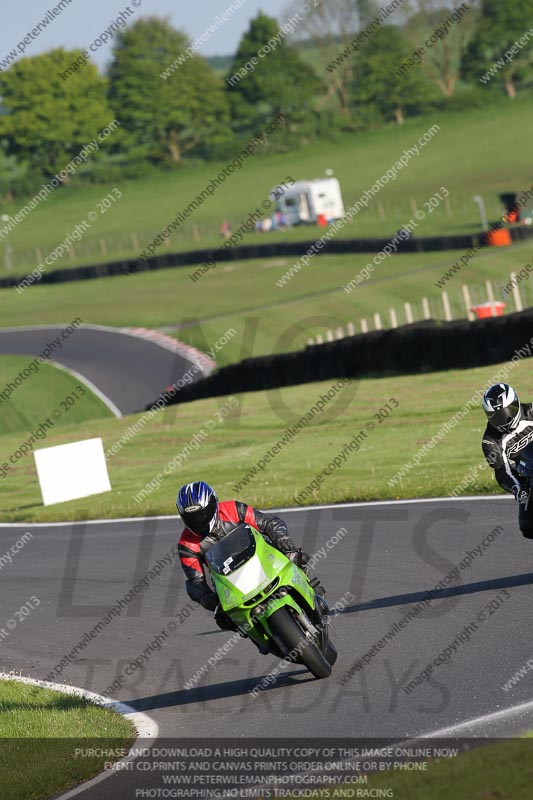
{"x":343,"y":65}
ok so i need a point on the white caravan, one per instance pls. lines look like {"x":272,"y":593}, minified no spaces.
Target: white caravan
{"x":306,"y":201}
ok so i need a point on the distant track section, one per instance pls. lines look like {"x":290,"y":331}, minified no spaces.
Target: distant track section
{"x":128,"y":366}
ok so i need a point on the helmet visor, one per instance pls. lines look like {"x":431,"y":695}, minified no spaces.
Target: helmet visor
{"x":505,"y":419}
{"x":201,"y":520}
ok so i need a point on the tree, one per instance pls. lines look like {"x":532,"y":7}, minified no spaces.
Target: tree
{"x":376,"y":80}
{"x":454,"y":27}
{"x":279,"y":83}
{"x":501,"y":24}
{"x":171,"y":102}
{"x":49,"y":119}
{"x":329,"y":28}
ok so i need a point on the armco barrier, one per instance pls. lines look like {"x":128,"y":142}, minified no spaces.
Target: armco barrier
{"x":427,"y":346}
{"x":253,"y":251}
{"x":521,"y":233}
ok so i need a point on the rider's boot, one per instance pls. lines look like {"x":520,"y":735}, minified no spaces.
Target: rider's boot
{"x":264,"y":649}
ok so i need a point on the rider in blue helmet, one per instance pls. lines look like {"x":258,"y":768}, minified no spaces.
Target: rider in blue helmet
{"x":206,"y":521}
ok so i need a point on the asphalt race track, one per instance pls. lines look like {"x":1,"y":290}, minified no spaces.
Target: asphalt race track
{"x":129,"y":370}
{"x":389,"y":557}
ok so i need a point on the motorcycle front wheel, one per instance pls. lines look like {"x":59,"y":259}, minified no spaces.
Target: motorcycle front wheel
{"x":292,"y":636}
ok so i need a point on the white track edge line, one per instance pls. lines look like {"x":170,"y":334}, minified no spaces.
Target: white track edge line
{"x":484,"y":719}
{"x":462,"y":727}
{"x":90,"y":385}
{"x":145,"y":726}
{"x":283,"y":510}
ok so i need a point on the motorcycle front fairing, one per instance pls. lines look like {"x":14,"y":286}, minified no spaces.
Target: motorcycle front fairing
{"x":524,"y":467}
{"x":254,"y":579}
{"x":524,"y":461}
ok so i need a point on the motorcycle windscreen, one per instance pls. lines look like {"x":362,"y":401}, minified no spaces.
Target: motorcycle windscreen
{"x":232,"y":551}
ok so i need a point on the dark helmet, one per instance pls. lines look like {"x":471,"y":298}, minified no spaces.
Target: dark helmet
{"x":502,"y":407}
{"x":197,"y":504}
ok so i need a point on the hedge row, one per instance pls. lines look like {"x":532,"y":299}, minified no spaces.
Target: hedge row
{"x":427,"y":346}
{"x":253,"y":251}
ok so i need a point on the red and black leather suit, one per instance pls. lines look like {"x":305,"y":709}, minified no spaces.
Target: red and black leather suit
{"x":191,"y":546}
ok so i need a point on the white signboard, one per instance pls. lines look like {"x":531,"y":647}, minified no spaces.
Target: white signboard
{"x":70,"y":471}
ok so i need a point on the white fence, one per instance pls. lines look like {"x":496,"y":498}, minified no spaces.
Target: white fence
{"x":444,"y":307}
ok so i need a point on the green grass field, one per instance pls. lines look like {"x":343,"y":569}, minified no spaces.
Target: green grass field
{"x":227,"y":448}
{"x":42,"y":393}
{"x":232,"y":293}
{"x":479,"y":151}
{"x":41,"y":729}
{"x":489,"y":772}
{"x":266,"y":318}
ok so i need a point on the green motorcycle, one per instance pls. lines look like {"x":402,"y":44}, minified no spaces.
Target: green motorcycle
{"x":270,"y":599}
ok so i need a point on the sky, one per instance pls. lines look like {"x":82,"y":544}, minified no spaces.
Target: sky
{"x":81,"y":22}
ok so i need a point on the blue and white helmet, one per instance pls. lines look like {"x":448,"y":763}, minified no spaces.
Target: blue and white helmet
{"x":197,"y":505}
{"x":502,"y":407}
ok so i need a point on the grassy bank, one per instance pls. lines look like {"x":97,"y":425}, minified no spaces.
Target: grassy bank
{"x":44,"y":392}
{"x":235,"y":292}
{"x":195,"y":440}
{"x":476,"y":151}
{"x":40,"y":731}
{"x":488,"y":772}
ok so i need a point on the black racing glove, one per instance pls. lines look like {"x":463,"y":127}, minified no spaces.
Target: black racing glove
{"x":299,"y":557}
{"x":520,"y":494}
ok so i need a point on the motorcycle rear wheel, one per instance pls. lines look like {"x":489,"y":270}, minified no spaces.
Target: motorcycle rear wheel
{"x":290,"y":633}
